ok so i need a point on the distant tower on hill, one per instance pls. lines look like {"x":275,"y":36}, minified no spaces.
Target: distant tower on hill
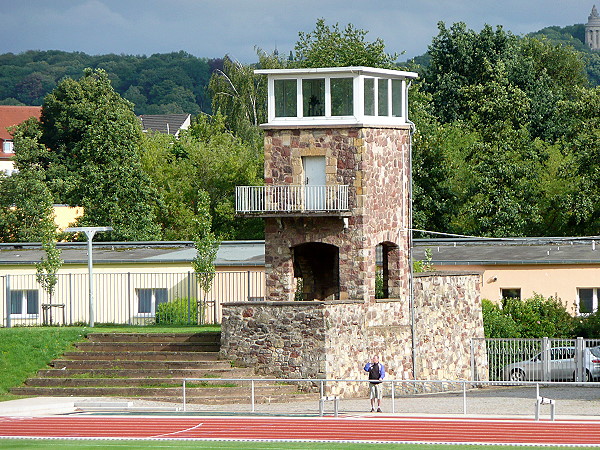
{"x":592,"y":30}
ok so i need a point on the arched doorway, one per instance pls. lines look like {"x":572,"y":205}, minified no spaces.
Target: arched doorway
{"x":317,"y":264}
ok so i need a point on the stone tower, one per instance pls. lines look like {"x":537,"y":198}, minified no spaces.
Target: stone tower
{"x":336,"y":204}
{"x":592,"y":30}
{"x":337,"y":182}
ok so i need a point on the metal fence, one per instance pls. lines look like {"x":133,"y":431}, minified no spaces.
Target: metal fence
{"x":436,"y":397}
{"x":286,"y":198}
{"x":124,"y":298}
{"x":543,"y":359}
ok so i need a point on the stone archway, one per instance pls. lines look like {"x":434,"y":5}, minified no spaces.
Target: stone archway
{"x":317,"y":264}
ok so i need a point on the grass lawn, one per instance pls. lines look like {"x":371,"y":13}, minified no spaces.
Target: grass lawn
{"x":25,"y":350}
{"x":72,"y":444}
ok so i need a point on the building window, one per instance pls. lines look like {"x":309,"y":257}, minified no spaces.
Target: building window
{"x":382,"y":99}
{"x":313,"y":96}
{"x":286,"y":98}
{"x":342,"y":97}
{"x":587,"y":299}
{"x":397,"y":98}
{"x":7,"y":147}
{"x":369,"y":96}
{"x":510,"y":293}
{"x":24,"y":303}
{"x":149,"y":299}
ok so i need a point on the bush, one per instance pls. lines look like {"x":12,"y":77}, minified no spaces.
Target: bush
{"x":588,"y":327}
{"x":176,"y":312}
{"x":496,"y":324}
{"x":534,"y":317}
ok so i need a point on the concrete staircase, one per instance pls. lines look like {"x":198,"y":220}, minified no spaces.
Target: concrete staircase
{"x":151,"y":366}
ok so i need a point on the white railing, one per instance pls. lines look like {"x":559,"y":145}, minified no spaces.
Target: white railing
{"x":291,"y":198}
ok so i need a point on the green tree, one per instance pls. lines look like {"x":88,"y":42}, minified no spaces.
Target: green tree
{"x":196,"y":176}
{"x":94,"y":138}
{"x":26,"y":213}
{"x":328,"y":46}
{"x":47,"y":268}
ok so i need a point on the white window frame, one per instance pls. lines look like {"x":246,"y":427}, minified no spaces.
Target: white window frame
{"x":8,"y":146}
{"x":153,"y":304}
{"x":595,"y":296}
{"x":23,"y":314}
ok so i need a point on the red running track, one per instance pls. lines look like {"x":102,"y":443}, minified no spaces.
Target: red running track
{"x":357,"y":429}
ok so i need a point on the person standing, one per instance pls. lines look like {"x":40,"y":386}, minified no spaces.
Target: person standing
{"x":376,"y":373}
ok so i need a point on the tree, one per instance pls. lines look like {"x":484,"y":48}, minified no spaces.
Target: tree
{"x":206,"y":245}
{"x":328,"y":46}
{"x":26,"y":213}
{"x":94,"y":138}
{"x":47,"y":268}
{"x":240,"y":96}
{"x":196,"y":175}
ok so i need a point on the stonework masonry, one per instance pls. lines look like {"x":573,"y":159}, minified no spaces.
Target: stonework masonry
{"x":334,"y":339}
{"x":374,"y":163}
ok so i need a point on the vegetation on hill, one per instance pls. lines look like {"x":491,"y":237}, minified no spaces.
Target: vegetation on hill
{"x":166,"y":83}
{"x":506,"y":141}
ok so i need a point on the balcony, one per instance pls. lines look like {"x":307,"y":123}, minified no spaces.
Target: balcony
{"x":292,"y":200}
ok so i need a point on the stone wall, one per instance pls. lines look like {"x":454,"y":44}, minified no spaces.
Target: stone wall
{"x":334,"y":339}
{"x":448,"y":315}
{"x":373,"y":162}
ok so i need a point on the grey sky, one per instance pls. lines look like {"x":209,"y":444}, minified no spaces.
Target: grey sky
{"x":213,"y":28}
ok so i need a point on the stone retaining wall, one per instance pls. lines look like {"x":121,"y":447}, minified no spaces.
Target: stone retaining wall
{"x":334,"y":339}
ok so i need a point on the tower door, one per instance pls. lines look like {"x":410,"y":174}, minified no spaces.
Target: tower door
{"x":314,"y":182}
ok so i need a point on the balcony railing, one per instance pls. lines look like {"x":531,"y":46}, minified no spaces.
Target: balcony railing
{"x":291,"y":199}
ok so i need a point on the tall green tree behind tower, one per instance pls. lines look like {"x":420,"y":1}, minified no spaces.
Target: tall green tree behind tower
{"x":94,"y":137}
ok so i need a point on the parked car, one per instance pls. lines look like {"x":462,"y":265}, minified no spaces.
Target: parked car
{"x":562,"y":366}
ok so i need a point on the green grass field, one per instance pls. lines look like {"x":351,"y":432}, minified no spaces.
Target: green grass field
{"x":182,"y":445}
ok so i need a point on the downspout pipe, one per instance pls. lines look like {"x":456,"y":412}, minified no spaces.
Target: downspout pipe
{"x":411,"y":294}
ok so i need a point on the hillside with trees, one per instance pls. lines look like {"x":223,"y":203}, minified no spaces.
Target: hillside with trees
{"x":169,"y":83}
{"x":507,"y":139}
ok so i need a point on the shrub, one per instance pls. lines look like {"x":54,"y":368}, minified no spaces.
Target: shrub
{"x":176,"y":312}
{"x":496,"y":324}
{"x":534,"y":317}
{"x":539,"y":317}
{"x":588,"y":327}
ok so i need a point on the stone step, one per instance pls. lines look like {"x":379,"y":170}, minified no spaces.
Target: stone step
{"x":153,"y":392}
{"x":162,"y":365}
{"x":150,"y":373}
{"x":142,"y":356}
{"x":206,"y":337}
{"x":148,"y":346}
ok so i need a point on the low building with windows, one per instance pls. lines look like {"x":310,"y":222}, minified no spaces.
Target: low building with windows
{"x":130,"y":281}
{"x":567,"y":268}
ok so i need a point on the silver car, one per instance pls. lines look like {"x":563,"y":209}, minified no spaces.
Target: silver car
{"x":561,"y":367}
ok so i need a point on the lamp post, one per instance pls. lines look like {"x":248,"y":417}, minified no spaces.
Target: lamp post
{"x":90,"y":232}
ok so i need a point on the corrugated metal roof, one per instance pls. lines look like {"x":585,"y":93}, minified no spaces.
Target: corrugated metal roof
{"x":230,"y":253}
{"x":508,"y":252}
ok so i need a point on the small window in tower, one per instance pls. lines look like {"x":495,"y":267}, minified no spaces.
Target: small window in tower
{"x":382,"y":99}
{"x":341,"y":97}
{"x":313,"y":97}
{"x":369,"y":96}
{"x":397,"y":98}
{"x":286,"y":98}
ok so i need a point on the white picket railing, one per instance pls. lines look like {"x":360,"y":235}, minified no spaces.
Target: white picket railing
{"x":291,"y":198}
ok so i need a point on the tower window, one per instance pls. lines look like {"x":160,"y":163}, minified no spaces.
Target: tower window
{"x":286,"y":98}
{"x":313,"y":96}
